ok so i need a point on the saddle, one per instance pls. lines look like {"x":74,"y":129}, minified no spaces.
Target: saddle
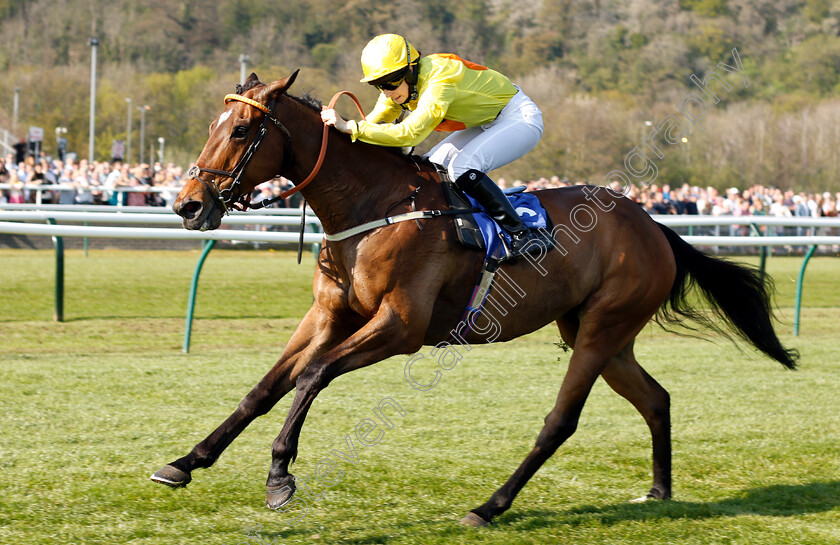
{"x":466,"y":226}
{"x":474,"y":228}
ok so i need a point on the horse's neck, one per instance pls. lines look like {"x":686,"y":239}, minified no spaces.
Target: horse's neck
{"x":355,"y":184}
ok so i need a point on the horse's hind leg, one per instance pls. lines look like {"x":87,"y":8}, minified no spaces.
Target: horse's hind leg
{"x":560,"y":424}
{"x":595,"y":345}
{"x":598,"y":334}
{"x":624,"y":375}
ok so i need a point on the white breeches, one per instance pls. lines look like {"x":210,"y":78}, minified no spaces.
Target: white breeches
{"x":515,"y":132}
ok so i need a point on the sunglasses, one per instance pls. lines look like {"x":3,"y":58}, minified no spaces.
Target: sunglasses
{"x":389,"y":85}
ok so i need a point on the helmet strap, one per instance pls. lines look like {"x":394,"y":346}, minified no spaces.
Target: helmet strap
{"x":411,"y":79}
{"x":413,"y":73}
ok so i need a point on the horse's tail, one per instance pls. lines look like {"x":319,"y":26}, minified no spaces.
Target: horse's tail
{"x":739,"y":295}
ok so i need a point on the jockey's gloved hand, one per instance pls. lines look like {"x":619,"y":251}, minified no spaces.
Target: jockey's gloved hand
{"x":329,"y":117}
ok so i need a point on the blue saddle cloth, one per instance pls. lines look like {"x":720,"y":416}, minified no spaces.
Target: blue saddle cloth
{"x":527,"y":206}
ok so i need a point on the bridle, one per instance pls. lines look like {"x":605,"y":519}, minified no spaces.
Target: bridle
{"x":232,"y":196}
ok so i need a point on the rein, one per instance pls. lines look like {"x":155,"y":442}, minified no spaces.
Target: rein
{"x":232,"y":196}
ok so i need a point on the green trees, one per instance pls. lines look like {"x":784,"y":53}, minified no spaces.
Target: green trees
{"x":598,"y":70}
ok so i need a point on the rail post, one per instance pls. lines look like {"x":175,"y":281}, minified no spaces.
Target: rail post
{"x":208,"y":245}
{"x":763,"y":251}
{"x":316,"y":246}
{"x":799,"y":282}
{"x":58,"y":243}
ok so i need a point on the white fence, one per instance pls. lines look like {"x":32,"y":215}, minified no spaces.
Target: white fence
{"x":768,"y":239}
{"x":291,"y":217}
{"x":9,"y":223}
{"x":13,"y":216}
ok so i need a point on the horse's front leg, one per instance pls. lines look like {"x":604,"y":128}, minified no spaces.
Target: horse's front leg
{"x":316,"y":334}
{"x":387,"y":334}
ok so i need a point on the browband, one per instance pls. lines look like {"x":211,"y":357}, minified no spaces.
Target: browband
{"x":249,"y":101}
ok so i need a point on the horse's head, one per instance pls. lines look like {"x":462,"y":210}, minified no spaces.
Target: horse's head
{"x":230,"y":165}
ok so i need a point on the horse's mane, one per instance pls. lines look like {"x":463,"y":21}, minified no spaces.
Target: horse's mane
{"x":308,"y":100}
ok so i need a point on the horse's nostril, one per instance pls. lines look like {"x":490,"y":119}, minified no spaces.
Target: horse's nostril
{"x":190,"y":209}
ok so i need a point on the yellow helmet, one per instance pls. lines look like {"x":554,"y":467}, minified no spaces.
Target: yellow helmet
{"x":385,"y":54}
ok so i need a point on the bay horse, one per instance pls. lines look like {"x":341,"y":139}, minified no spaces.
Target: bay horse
{"x":393,"y":289}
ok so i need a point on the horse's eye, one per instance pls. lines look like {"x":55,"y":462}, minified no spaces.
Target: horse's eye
{"x":240,"y":131}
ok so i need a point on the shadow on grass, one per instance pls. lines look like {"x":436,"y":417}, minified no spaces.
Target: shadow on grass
{"x":770,"y":501}
{"x":365,"y":535}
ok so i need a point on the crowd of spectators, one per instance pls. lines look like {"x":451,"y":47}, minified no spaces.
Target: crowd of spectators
{"x":53,"y":181}
{"x":83,"y":182}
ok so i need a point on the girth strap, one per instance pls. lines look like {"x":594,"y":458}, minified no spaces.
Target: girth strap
{"x":408,"y":216}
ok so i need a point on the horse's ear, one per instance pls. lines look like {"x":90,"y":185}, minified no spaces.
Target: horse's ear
{"x":280,"y":86}
{"x":252,"y":81}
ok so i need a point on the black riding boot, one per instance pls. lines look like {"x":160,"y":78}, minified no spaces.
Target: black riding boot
{"x":480,"y":187}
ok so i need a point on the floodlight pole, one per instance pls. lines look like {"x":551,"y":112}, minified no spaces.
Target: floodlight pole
{"x":243,"y":60}
{"x":94,"y":43}
{"x":128,"y":134}
{"x":142,"y":129}
{"x":16,"y":109}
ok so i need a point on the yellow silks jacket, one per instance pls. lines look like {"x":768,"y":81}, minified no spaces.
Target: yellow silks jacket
{"x":453,"y":94}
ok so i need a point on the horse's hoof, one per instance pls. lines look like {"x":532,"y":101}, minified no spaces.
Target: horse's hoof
{"x":171,"y":476}
{"x":278,"y":496}
{"x":646,"y":498}
{"x":655,"y":494}
{"x":474,"y":520}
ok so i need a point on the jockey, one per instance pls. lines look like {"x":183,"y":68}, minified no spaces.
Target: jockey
{"x":492,"y":120}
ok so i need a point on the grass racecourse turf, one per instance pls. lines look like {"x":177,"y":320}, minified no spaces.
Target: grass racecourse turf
{"x":92,"y":406}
